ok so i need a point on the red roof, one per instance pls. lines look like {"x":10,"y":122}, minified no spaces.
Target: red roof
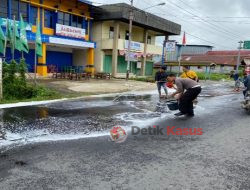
{"x":230,"y":52}
{"x":218,"y":57}
{"x":219,"y":60}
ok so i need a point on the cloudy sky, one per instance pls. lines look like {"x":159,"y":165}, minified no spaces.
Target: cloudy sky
{"x":220,"y":23}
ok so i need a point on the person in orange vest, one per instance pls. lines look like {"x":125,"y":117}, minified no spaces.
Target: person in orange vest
{"x":187,"y":73}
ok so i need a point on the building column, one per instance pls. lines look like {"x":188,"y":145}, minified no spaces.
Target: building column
{"x":164,"y":52}
{"x":90,"y":66}
{"x":144,"y":59}
{"x":115,"y":48}
{"x":41,"y":66}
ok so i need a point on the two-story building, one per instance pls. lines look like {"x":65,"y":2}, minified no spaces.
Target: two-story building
{"x":111,"y":32}
{"x":65,"y":27}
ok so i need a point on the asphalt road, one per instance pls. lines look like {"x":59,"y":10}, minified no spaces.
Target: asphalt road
{"x":218,"y":159}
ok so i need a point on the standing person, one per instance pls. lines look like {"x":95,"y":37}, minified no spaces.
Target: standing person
{"x":187,"y":73}
{"x":161,"y":79}
{"x":188,"y":90}
{"x":236,"y":78}
{"x":246,"y":82}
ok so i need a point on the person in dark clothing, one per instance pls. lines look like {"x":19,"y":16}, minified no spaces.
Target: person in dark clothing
{"x":188,"y":90}
{"x":161,"y":79}
{"x":236,"y":78}
{"x":246,"y":82}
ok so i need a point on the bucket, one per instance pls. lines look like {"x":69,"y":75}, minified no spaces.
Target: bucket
{"x":173,"y":105}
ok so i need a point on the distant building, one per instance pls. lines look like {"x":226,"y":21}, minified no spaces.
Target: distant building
{"x":222,"y":61}
{"x":187,"y":50}
{"x":111,"y":32}
{"x":246,"y":63}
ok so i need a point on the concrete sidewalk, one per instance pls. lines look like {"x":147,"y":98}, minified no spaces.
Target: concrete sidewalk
{"x":95,"y":86}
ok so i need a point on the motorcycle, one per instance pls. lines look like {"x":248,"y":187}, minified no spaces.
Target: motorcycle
{"x":246,"y":103}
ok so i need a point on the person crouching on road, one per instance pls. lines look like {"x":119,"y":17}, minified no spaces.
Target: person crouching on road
{"x":188,"y":90}
{"x":161,"y":79}
{"x":187,"y":73}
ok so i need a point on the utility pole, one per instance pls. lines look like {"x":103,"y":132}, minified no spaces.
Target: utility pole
{"x":179,"y":60}
{"x":130,"y":37}
{"x":163,"y":50}
{"x":238,"y":59}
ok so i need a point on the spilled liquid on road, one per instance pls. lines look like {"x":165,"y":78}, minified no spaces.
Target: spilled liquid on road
{"x":91,"y":117}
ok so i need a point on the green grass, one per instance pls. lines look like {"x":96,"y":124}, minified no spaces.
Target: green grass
{"x":42,"y":93}
{"x":214,"y":76}
{"x":202,"y":76}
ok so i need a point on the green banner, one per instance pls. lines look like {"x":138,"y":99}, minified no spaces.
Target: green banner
{"x":246,"y":45}
{"x":39,"y":49}
{"x":3,"y":22}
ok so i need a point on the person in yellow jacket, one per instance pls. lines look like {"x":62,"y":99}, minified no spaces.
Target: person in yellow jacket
{"x":187,"y":73}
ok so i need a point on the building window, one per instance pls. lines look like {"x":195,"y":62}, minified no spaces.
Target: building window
{"x":63,"y":18}
{"x":86,"y":26}
{"x":23,"y":10}
{"x":111,"y":32}
{"x":60,"y":18}
{"x":149,"y":41}
{"x":48,"y":19}
{"x":79,"y":22}
{"x":66,"y":19}
{"x":33,"y":15}
{"x":3,"y":9}
{"x":74,"y":21}
{"x":127,"y":35}
{"x":14,"y":9}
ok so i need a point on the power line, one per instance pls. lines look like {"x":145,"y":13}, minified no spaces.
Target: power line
{"x":194,"y":35}
{"x":212,"y":31}
{"x":188,"y":32}
{"x":216,"y":27}
{"x":209,"y":28}
{"x":206,"y":40}
{"x":228,"y":31}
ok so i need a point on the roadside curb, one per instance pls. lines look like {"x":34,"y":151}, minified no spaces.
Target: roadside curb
{"x":34,"y":103}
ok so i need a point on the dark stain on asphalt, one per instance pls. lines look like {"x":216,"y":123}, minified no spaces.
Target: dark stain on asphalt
{"x":4,"y":156}
{"x":20,"y":163}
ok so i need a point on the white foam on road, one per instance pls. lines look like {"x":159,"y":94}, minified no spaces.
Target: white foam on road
{"x":34,"y":103}
{"x":37,"y":136}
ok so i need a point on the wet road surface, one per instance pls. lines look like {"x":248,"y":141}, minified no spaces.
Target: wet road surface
{"x":55,"y":153}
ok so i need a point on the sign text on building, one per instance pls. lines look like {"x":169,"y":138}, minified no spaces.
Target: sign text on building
{"x":72,"y":43}
{"x":135,"y":46}
{"x":69,"y":31}
{"x":170,"y":46}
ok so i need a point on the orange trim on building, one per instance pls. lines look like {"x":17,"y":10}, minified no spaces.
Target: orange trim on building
{"x":42,"y":69}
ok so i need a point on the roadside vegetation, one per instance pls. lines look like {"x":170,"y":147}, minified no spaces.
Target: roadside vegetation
{"x":16,"y":88}
{"x":202,"y":76}
{"x":214,"y":76}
